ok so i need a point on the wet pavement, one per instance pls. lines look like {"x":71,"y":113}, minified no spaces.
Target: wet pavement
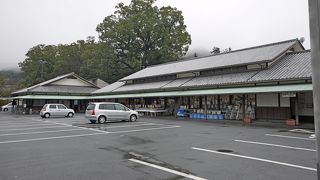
{"x":151,"y":148}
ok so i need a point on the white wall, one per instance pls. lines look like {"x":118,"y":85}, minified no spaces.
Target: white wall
{"x":267,"y":100}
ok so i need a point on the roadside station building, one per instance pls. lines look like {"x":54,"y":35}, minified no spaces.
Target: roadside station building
{"x":68,"y":89}
{"x":271,"y":81}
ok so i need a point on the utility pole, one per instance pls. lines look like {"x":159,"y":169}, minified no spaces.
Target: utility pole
{"x":314,"y":20}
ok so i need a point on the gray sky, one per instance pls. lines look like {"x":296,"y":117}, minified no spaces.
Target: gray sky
{"x":223,"y":23}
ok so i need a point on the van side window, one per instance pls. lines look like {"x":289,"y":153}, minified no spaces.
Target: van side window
{"x":120,"y":107}
{"x":106,"y":107}
{"x":61,"y":107}
{"x":52,"y":107}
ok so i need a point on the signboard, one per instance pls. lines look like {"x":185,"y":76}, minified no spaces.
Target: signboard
{"x":288,"y":94}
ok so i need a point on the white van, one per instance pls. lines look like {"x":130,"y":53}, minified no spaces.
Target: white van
{"x":108,"y":111}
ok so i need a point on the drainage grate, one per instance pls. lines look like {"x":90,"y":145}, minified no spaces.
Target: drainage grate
{"x":225,"y":150}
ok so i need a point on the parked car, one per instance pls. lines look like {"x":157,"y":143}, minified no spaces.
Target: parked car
{"x":102,"y":112}
{"x":6,"y":107}
{"x":56,"y":110}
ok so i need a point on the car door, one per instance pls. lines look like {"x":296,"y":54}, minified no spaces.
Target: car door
{"x":62,"y":110}
{"x":122,"y":112}
{"x":108,"y":110}
{"x":53,"y":110}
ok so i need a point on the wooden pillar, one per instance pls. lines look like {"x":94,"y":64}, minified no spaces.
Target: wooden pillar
{"x":219,"y":102}
{"x":243,"y":106}
{"x":205,"y":106}
{"x":296,"y":106}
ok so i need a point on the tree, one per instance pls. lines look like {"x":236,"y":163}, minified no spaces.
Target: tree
{"x":142,"y":34}
{"x":216,"y":50}
{"x":86,"y":58}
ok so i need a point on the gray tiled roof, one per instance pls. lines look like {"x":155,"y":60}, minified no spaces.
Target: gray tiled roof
{"x":64,"y":89}
{"x":31,"y":88}
{"x":291,"y":66}
{"x":220,"y":79}
{"x":143,"y":86}
{"x":245,"y":56}
{"x":110,"y":87}
{"x":177,"y":83}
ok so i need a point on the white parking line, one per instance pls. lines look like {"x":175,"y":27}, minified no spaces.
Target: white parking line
{"x":291,"y":137}
{"x":12,"y":124}
{"x":147,"y":124}
{"x":275,"y":145}
{"x":302,"y":131}
{"x":190,"y":176}
{"x":47,"y":138}
{"x":138,"y":130}
{"x":32,"y":128}
{"x":257,"y":159}
{"x":25,"y":125}
{"x":39,"y":132}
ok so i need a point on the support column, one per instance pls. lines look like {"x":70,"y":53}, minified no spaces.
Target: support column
{"x":296,"y":106}
{"x":219,"y":102}
{"x":206,"y":106}
{"x":243,"y":106}
{"x":314,"y":22}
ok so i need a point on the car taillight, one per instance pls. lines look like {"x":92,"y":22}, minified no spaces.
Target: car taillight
{"x":93,"y":112}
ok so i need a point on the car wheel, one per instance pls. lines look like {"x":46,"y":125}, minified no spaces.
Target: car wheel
{"x":93,"y":121}
{"x":102,"y":119}
{"x":46,"y":115}
{"x":133,"y":118}
{"x":5,"y":109}
{"x":70,"y":114}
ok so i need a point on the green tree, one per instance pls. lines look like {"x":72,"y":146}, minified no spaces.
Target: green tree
{"x":142,"y":34}
{"x":2,"y":85}
{"x":86,"y":58}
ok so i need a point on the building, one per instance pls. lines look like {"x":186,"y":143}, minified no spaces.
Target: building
{"x":68,"y":89}
{"x":271,"y":81}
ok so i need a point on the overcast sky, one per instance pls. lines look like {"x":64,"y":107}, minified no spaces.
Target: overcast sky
{"x":223,"y":23}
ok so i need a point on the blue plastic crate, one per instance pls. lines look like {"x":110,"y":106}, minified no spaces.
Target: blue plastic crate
{"x":202,"y":116}
{"x":215,"y":116}
{"x":221,"y":116}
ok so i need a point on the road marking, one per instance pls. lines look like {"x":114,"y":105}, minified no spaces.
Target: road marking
{"x":39,"y":132}
{"x":275,"y":145}
{"x":110,"y":127}
{"x":190,"y":176}
{"x":47,"y":138}
{"x":148,"y":129}
{"x":69,"y":125}
{"x":257,"y":159}
{"x":13,"y":124}
{"x":25,"y":125}
{"x":32,"y":128}
{"x":302,"y":131}
{"x":291,"y":137}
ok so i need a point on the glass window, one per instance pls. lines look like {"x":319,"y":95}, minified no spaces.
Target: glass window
{"x":52,"y":107}
{"x":91,"y":106}
{"x":106,"y":106}
{"x":61,"y":107}
{"x":120,"y":107}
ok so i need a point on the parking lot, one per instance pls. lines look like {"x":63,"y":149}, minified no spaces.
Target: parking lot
{"x":151,"y":148}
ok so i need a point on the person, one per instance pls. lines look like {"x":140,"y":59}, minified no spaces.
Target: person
{"x":13,"y":105}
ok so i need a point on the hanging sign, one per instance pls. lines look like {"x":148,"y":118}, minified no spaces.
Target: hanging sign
{"x":288,"y":94}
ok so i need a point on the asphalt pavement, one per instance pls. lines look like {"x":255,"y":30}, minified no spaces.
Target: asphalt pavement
{"x":33,"y":148}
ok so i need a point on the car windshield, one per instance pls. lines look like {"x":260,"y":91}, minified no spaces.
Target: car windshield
{"x":91,"y":106}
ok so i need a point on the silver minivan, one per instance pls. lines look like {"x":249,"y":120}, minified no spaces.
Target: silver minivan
{"x":56,"y":110}
{"x":108,"y":111}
